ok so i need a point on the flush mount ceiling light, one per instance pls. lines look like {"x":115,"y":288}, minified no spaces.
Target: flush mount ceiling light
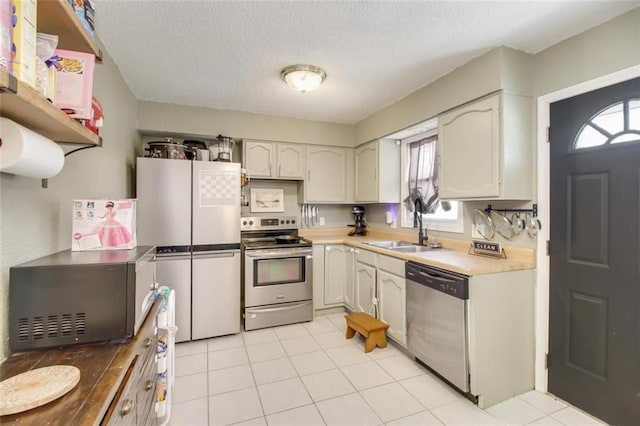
{"x":304,"y":78}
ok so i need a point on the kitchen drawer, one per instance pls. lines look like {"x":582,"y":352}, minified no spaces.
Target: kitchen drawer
{"x":391,"y":265}
{"x":124,"y":411}
{"x":364,"y":256}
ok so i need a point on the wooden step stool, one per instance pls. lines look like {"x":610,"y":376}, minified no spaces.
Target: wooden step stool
{"x":375,"y":331}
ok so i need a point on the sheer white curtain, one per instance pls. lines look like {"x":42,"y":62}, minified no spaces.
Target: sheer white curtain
{"x":422,"y":179}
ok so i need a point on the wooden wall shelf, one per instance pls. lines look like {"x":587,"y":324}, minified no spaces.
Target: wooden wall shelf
{"x":25,"y":106}
{"x":56,"y":17}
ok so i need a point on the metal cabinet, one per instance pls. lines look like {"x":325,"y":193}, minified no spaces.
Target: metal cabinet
{"x":485,"y":149}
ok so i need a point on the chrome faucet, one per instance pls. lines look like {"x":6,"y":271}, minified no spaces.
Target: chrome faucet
{"x":417,"y":221}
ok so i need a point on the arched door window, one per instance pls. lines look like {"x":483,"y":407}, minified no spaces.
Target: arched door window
{"x":618,"y":123}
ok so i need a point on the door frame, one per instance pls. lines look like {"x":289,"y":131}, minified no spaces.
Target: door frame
{"x":543,"y":166}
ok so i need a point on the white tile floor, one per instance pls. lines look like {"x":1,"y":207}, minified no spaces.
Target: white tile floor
{"x":309,"y":374}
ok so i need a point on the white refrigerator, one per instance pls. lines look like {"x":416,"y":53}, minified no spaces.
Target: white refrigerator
{"x":190,"y":210}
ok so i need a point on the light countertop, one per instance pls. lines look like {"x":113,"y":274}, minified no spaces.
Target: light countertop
{"x":454,"y":256}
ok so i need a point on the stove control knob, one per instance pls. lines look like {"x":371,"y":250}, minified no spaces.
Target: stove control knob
{"x":244,"y":222}
{"x":293,"y":221}
{"x":250,"y":222}
{"x":288,"y":222}
{"x":282,"y":222}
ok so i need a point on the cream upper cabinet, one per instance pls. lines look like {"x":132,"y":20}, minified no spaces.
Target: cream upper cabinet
{"x":326,"y":177}
{"x":290,"y":161}
{"x":377,"y":172}
{"x":273,"y":160}
{"x":486,"y":150}
{"x":258,"y":158}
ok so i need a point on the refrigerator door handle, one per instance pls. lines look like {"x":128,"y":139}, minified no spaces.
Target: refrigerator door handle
{"x":214,"y":254}
{"x":172,"y":256}
{"x":278,"y":308}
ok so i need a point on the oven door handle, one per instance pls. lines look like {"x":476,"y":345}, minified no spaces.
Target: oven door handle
{"x":278,"y":254}
{"x":278,"y":308}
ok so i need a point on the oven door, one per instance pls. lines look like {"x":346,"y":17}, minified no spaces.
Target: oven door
{"x":277,"y":275}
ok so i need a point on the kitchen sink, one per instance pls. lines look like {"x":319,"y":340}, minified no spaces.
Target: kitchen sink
{"x":390,"y":244}
{"x":405,"y":246}
{"x":416,"y":248}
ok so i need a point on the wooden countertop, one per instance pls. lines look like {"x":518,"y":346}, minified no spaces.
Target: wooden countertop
{"x":102,"y":368}
{"x":454,"y":256}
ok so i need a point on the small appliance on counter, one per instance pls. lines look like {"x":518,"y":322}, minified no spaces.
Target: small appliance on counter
{"x":222,"y":148}
{"x":360,"y":226}
{"x":74,"y":297}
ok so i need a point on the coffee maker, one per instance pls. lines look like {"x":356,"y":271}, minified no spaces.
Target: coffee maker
{"x":360,"y":223}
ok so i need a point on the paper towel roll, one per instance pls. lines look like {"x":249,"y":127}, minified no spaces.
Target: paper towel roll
{"x":26,"y":153}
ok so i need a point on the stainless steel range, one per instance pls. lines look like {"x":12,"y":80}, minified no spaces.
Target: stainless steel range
{"x":277,"y":272}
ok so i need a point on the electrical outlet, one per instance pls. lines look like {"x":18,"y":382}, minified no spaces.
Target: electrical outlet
{"x":321,"y":221}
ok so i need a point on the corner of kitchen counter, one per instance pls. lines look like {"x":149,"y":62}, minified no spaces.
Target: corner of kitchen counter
{"x":325,"y":235}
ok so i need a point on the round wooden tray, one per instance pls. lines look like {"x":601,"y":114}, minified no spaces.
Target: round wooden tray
{"x":34,"y":388}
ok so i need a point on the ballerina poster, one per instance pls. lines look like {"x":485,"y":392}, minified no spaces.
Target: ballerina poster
{"x":104,"y":224}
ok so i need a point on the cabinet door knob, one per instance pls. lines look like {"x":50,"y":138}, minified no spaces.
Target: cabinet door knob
{"x":148,"y":385}
{"x":127,"y":407}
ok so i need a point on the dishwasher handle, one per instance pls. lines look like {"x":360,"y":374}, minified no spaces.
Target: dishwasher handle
{"x":446,"y":282}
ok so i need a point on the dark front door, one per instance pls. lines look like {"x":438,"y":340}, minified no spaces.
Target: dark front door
{"x":594,"y":298}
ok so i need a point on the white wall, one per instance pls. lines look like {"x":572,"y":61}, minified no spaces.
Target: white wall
{"x":605,"y":49}
{"x":34,"y":221}
{"x":501,"y":68}
{"x":158,"y":118}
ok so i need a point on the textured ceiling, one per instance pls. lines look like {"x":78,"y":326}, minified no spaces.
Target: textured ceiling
{"x":228,"y":54}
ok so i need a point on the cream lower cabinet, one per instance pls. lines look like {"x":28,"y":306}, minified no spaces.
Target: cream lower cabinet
{"x":354,"y":278}
{"x":485,"y":149}
{"x":350,"y":282}
{"x":501,"y":335}
{"x":335,"y":273}
{"x":333,"y":283}
{"x":365,"y":281}
{"x":365,"y":287}
{"x":392,"y":297}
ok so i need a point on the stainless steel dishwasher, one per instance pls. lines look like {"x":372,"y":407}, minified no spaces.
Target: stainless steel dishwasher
{"x":437,"y":303}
